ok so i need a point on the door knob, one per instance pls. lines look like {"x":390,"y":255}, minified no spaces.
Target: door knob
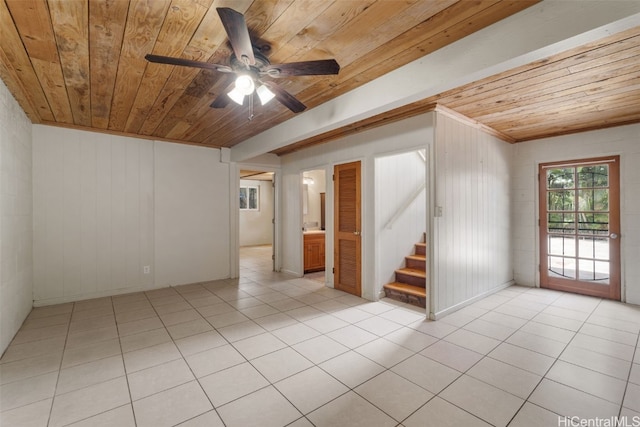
{"x":613,"y":235}
{"x":357,"y":233}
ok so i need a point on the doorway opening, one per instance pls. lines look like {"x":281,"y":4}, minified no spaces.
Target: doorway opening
{"x":580,"y":226}
{"x":313,"y":224}
{"x":401,"y":226}
{"x":256,"y":222}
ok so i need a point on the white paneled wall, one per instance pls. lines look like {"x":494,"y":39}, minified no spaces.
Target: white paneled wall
{"x":397,"y":179}
{"x":106,"y":206}
{"x":191,"y":215}
{"x":16,"y":237}
{"x":93,"y":214}
{"x":623,"y":140}
{"x":472,"y":239}
{"x":291,"y":223}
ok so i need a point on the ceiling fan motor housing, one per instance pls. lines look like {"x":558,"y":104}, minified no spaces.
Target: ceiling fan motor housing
{"x":249,"y":63}
{"x":239,"y":65}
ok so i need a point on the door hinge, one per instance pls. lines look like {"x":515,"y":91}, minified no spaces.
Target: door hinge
{"x":333,"y":270}
{"x":333,"y":177}
{"x":273,"y":257}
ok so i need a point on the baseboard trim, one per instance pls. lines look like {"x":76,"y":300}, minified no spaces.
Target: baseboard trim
{"x":92,"y":295}
{"x":110,"y":293}
{"x":291,"y":273}
{"x":454,"y":308}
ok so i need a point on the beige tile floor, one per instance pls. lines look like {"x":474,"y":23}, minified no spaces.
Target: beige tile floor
{"x":268,"y":350}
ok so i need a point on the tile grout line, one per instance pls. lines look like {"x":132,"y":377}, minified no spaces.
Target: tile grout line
{"x":626,"y":387}
{"x":64,"y":348}
{"x":298,"y":321}
{"x":542,"y":377}
{"x":214,"y":408}
{"x":124,"y":366}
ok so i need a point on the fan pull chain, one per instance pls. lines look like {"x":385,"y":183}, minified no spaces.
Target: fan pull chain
{"x":251,"y":106}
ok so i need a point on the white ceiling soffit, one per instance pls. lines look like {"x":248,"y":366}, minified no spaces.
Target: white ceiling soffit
{"x":544,"y":29}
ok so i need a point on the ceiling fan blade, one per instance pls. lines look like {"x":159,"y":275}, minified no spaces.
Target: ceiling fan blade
{"x":238,"y":33}
{"x":222,"y":100}
{"x":187,"y":63}
{"x":306,"y":68}
{"x":285,"y":98}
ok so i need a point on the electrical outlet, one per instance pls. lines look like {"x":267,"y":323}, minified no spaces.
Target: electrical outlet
{"x":146,"y":269}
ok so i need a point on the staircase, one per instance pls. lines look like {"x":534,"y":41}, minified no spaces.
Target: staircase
{"x":410,"y":284}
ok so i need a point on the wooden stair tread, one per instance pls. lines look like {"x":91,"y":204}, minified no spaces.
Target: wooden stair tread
{"x":408,"y":289}
{"x":410,"y":284}
{"x":413,"y":272}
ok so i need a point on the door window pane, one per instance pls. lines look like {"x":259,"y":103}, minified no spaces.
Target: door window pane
{"x":602,"y":272}
{"x":594,"y":224}
{"x":594,"y":271}
{"x":561,"y":222}
{"x":562,"y":245}
{"x":593,"y":248}
{"x":562,"y":267}
{"x":593,"y":200}
{"x":560,"y":178}
{"x":593,"y":176}
{"x":563,"y":200}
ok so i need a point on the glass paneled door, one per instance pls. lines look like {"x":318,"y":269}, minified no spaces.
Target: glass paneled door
{"x":580,"y":226}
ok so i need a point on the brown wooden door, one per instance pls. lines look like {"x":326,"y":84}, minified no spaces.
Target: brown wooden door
{"x":347,"y":237}
{"x":580,"y":226}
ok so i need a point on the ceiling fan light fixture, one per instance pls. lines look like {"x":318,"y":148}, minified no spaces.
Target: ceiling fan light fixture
{"x":245,"y":84}
{"x":236,"y":96}
{"x":265,"y":94}
{"x":244,"y":87}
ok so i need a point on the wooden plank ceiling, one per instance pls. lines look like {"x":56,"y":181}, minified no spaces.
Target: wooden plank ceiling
{"x":256,"y":175}
{"x":80,"y":63}
{"x":594,"y":86}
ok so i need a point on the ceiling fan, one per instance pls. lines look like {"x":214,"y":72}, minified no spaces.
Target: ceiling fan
{"x":251,"y":66}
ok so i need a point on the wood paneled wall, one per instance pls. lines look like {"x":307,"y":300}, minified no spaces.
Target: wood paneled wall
{"x":472,"y":239}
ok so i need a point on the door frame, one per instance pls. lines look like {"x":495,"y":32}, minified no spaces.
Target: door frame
{"x":234,"y":215}
{"x":429,"y":221}
{"x":328,"y":260}
{"x":617,"y":293}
